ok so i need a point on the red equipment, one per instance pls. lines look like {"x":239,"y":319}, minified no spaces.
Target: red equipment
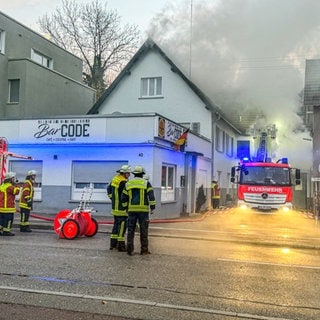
{"x":264,"y":185}
{"x":4,"y":154}
{"x":69,"y":224}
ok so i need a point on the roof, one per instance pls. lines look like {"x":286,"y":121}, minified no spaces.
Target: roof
{"x":149,"y":45}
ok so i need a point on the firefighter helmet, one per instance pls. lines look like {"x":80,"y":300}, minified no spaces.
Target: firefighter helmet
{"x":32,"y":173}
{"x":138,"y":170}
{"x":125,"y":169}
{"x":9,"y":175}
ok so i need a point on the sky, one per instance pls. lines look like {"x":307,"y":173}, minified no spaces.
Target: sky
{"x":137,"y":12}
{"x":246,"y":55}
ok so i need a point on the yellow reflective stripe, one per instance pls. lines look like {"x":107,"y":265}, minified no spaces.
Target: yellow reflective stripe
{"x":121,"y":231}
{"x":7,"y":210}
{"x":137,"y":208}
{"x":24,"y":205}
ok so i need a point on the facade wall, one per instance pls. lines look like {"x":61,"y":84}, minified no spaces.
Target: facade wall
{"x":20,"y":40}
{"x":3,"y":84}
{"x":67,"y":158}
{"x":178,"y":102}
{"x":45,"y":90}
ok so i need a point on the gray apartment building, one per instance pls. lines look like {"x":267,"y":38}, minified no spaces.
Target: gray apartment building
{"x":37,"y":77}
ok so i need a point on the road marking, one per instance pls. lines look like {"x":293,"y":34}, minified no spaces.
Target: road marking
{"x":145,"y":303}
{"x":270,"y":263}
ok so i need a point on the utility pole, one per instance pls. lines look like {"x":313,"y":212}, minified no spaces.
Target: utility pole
{"x":190,"y":39}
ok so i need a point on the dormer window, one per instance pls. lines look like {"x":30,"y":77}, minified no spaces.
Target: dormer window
{"x":41,"y":59}
{"x":151,"y":87}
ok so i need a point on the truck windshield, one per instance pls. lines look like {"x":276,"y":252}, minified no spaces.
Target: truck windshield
{"x":265,"y":176}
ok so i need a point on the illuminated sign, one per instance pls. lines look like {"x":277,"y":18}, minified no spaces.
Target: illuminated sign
{"x":265,"y":189}
{"x":77,"y":130}
{"x":169,"y":130}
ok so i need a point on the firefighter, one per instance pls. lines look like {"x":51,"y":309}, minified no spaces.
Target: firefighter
{"x":138,"y":198}
{"x":8,"y":192}
{"x":215,"y":194}
{"x":26,"y":201}
{"x":120,"y":215}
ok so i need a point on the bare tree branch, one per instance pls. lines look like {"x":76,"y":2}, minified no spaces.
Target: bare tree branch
{"x":93,"y":33}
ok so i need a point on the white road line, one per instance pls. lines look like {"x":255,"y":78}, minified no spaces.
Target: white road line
{"x":145,"y":303}
{"x":270,"y":263}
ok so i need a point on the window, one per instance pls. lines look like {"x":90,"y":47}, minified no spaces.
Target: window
{"x":194,"y":126}
{"x":41,"y":59}
{"x":168,"y":173}
{"x":21,"y":167}
{"x":14,"y":91}
{"x":91,"y":178}
{"x":229,"y":146}
{"x":2,"y":41}
{"x":151,"y":87}
{"x":219,"y":140}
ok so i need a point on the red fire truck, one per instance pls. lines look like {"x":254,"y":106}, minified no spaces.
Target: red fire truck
{"x":264,"y":185}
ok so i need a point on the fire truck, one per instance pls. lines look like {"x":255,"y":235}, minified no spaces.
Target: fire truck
{"x":262,"y":184}
{"x":4,"y":154}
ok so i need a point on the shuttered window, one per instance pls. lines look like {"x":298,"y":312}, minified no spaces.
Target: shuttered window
{"x":94,"y":176}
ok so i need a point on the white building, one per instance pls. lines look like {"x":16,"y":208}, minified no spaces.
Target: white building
{"x":136,"y":121}
{"x":151,"y":82}
{"x":73,"y":153}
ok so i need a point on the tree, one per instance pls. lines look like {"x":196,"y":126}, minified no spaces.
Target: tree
{"x":94,"y":34}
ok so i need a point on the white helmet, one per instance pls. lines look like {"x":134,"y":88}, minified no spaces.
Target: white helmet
{"x":10,"y":175}
{"x":31,"y":173}
{"x":138,"y":169}
{"x":124,"y":169}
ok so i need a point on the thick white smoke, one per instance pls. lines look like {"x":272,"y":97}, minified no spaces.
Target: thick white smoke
{"x":249,"y":57}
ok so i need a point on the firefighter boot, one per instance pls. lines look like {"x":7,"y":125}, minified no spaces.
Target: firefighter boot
{"x":122,"y":246}
{"x":25,"y":229}
{"x":130,"y":249}
{"x":113,"y":243}
{"x":7,"y":234}
{"x":144,"y":252}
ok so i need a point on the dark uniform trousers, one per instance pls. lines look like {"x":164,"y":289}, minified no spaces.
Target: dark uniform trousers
{"x":143,"y":219}
{"x":24,"y":218}
{"x":118,"y":231}
{"x":6,"y":221}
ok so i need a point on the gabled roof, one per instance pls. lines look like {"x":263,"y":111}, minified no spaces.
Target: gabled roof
{"x":149,"y":45}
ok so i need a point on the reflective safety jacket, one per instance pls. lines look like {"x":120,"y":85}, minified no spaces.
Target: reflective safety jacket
{"x":215,"y":191}
{"x":138,"y":196}
{"x":114,"y":191}
{"x":26,"y":197}
{"x":8,"y":194}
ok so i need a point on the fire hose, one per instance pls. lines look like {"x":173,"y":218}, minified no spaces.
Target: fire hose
{"x":106,"y":222}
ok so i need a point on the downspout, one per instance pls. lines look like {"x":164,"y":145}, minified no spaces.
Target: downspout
{"x":214,"y":121}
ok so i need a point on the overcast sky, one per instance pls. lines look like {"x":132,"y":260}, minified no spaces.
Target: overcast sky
{"x":137,"y":12}
{"x":244,"y":54}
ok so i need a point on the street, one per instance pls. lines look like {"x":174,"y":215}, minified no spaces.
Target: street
{"x":226,"y":266}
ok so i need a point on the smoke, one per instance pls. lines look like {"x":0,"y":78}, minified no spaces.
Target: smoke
{"x":249,"y":57}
